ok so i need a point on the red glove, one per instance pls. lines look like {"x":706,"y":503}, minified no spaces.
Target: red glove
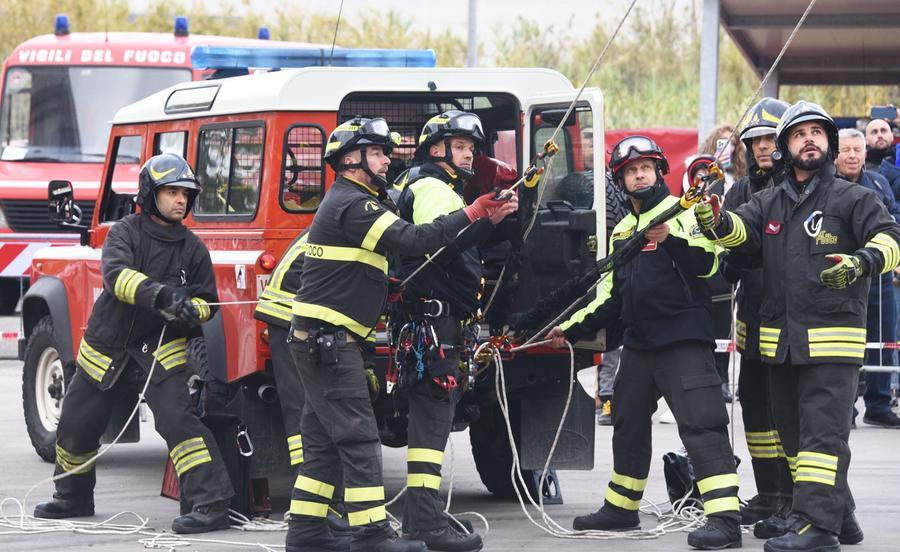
{"x":487,"y":207}
{"x":395,"y":290}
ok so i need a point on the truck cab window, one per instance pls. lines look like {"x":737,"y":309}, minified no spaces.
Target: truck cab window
{"x":229,"y":167}
{"x":571,"y":175}
{"x":171,"y":142}
{"x":122,"y":181}
{"x":303,"y":177}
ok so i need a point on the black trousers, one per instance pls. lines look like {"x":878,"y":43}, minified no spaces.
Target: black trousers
{"x":431,"y":411}
{"x":202,"y":475}
{"x":770,"y":468}
{"x":685,"y":375}
{"x":290,"y":390}
{"x":339,"y":432}
{"x":812,"y":410}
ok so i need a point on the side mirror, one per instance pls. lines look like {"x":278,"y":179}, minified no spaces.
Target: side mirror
{"x":62,"y":208}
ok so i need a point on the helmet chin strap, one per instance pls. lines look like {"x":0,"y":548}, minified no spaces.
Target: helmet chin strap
{"x":643,"y":193}
{"x":463,"y":174}
{"x":378,"y":180}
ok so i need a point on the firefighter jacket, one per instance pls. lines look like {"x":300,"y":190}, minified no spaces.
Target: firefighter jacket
{"x":792,"y":228}
{"x":427,"y":193}
{"x":283,"y":285}
{"x":742,"y":267}
{"x":344,"y":280}
{"x":661,"y":296}
{"x":139,"y":257}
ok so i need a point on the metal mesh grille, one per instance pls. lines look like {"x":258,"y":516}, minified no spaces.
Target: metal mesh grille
{"x":304,"y":174}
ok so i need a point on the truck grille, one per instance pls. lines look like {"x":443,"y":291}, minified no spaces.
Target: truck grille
{"x":31,"y":215}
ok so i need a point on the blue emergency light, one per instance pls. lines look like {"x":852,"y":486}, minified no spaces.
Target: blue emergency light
{"x":263,"y":33}
{"x":61,"y":28}
{"x":181,"y":25}
{"x":229,"y":57}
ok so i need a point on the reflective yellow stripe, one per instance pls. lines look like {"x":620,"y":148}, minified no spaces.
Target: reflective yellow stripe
{"x":202,"y":307}
{"x":310,"y":485}
{"x":725,"y":504}
{"x":347,"y":254}
{"x":738,"y":234}
{"x":809,"y":476}
{"x":890,"y":251}
{"x":363,"y":494}
{"x":306,"y":508}
{"x":811,"y":458}
{"x":192,"y":461}
{"x":296,"y":457}
{"x":281,"y":311}
{"x":846,"y":350}
{"x":367,"y":516}
{"x":630,"y":483}
{"x":294,"y":251}
{"x":276,"y":294}
{"x":295,"y":441}
{"x":424,"y":480}
{"x":718,"y":482}
{"x":74,"y":463}
{"x":837,"y":334}
{"x":621,"y":501}
{"x":431,"y":456}
{"x":126,"y":285}
{"x":769,"y":334}
{"x":762,"y":437}
{"x":185,"y":447}
{"x":90,"y":368}
{"x":764,"y":451}
{"x":377,"y":230}
{"x":308,"y":310}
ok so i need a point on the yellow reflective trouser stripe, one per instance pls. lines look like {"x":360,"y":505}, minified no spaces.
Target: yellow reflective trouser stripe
{"x":364,"y":517}
{"x":127,"y":283}
{"x":763,"y":451}
{"x":377,"y":230}
{"x":306,"y":508}
{"x":363,"y":494}
{"x":74,"y":463}
{"x":630,"y":483}
{"x":192,"y":461}
{"x":813,"y":475}
{"x":817,"y":459}
{"x":347,"y":254}
{"x":202,"y":307}
{"x":718,"y":482}
{"x":738,"y":233}
{"x":889,"y":249}
{"x":423,"y":480}
{"x":326,"y":314}
{"x":310,"y":485}
{"x":172,"y":354}
{"x":762,"y":437}
{"x":725,"y":504}
{"x":431,"y":456}
{"x":621,"y":501}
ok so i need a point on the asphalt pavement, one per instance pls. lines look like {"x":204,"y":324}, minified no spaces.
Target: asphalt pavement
{"x":130,"y":477}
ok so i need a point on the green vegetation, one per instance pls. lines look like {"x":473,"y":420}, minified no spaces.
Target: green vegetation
{"x":649,"y":76}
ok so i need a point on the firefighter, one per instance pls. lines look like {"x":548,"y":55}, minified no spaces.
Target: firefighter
{"x":445,"y":297}
{"x":772,"y":502}
{"x":342,"y":294}
{"x":820,"y":239}
{"x":157,"y":276}
{"x":662,"y":301}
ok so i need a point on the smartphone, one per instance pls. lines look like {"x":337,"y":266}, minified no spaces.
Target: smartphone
{"x":888,"y":112}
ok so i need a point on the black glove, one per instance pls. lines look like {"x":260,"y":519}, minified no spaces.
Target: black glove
{"x":175,"y":306}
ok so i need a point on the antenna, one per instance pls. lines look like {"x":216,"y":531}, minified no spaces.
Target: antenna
{"x":337,"y":26}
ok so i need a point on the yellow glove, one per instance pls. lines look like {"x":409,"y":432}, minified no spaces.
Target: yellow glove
{"x":707,"y":213}
{"x":847,"y":269}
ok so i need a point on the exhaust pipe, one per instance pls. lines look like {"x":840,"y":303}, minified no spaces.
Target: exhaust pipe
{"x":267,"y":393}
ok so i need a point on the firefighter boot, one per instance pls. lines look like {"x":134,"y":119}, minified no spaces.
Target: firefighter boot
{"x":759,"y":508}
{"x":608,"y":518}
{"x":60,"y":507}
{"x":203,"y":519}
{"x":718,"y":533}
{"x":466,"y":524}
{"x":775,"y":525}
{"x":448,"y":539}
{"x":311,"y":535}
{"x":338,"y":524}
{"x":804,"y":537}
{"x":851,"y":532}
{"x":383,"y":539}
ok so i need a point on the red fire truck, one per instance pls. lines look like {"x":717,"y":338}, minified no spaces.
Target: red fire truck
{"x":59,"y":93}
{"x":256,"y":143}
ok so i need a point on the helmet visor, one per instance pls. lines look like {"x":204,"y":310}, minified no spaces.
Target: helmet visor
{"x":376,"y":129}
{"x":468,"y":122}
{"x":634,"y":145}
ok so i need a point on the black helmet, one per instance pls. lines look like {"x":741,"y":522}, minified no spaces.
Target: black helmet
{"x":766,"y":115}
{"x":357,"y":134}
{"x":802,"y":112}
{"x":447,"y":125}
{"x":631,"y":149}
{"x":165,"y":169}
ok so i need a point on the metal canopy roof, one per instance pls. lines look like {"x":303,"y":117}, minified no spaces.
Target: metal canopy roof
{"x":841,"y":41}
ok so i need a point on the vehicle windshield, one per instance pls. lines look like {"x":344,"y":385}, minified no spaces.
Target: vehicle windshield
{"x":62,"y":114}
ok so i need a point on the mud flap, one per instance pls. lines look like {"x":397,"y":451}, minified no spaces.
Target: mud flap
{"x":538,"y":423}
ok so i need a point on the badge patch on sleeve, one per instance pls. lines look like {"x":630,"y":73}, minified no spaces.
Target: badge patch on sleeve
{"x":773,"y":228}
{"x":651,"y":246}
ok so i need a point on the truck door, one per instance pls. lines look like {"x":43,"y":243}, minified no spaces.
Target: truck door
{"x":563,"y":216}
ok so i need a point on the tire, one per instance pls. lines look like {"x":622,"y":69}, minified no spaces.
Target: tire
{"x":493,"y":455}
{"x":42,"y":370}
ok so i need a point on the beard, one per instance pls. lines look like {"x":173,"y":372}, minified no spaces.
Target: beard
{"x":811,"y":163}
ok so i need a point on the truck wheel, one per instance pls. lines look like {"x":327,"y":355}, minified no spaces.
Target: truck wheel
{"x":493,"y":455}
{"x":44,"y":382}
